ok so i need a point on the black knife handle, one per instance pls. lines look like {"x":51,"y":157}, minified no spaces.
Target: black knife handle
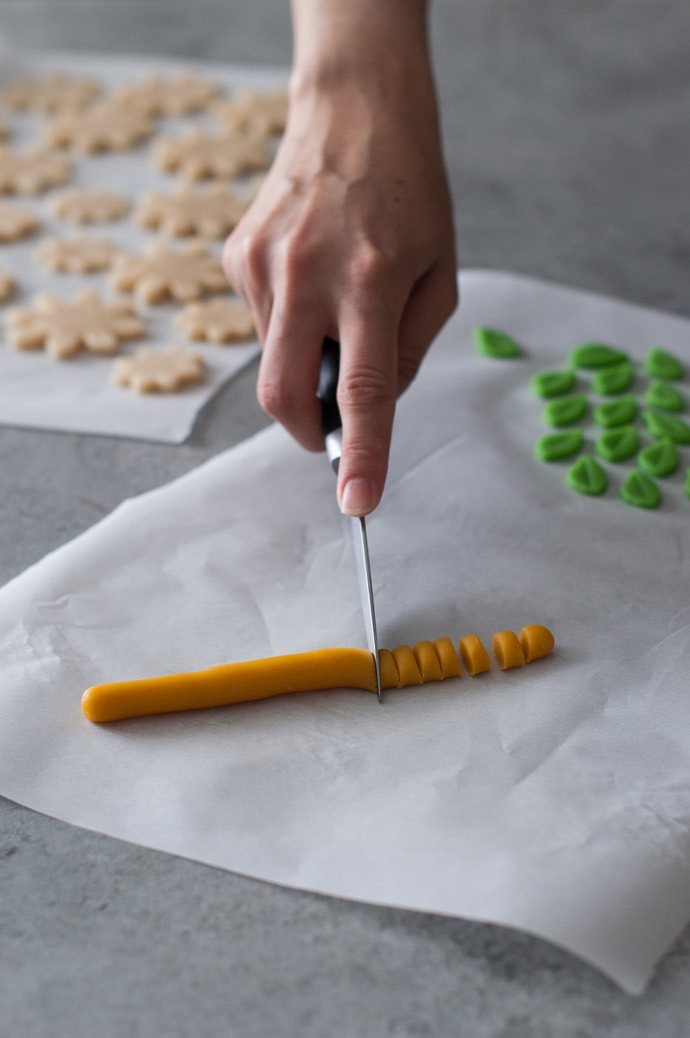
{"x":328,"y":385}
{"x":331,"y":422}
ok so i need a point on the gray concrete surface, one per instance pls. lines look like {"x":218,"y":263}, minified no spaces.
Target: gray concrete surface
{"x":566,"y":128}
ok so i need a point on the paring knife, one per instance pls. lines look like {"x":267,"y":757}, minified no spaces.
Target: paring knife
{"x":333,"y":435}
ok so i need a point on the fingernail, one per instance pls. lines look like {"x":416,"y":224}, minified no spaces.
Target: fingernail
{"x":357,"y":497}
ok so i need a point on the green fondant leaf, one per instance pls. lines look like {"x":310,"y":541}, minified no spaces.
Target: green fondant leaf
{"x":660,"y":364}
{"x":587,"y":476}
{"x":613,"y":379}
{"x":666,"y":427}
{"x":556,"y":446}
{"x":596,"y":355}
{"x":659,"y":459}
{"x":616,"y":412}
{"x":617,"y":444}
{"x":641,"y":491}
{"x":565,"y":411}
{"x":666,"y":397}
{"x":492,"y":343}
{"x":553,"y":383}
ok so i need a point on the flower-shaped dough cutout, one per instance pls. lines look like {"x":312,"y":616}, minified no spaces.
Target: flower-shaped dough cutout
{"x":198,"y":155}
{"x":212,"y":212}
{"x":78,"y":255}
{"x":31,"y":172}
{"x":158,"y":371}
{"x":162,"y":273}
{"x":218,"y":320}
{"x":89,"y":205}
{"x":101,"y":127}
{"x":182,"y":94}
{"x":7,"y":285}
{"x":63,"y":328}
{"x":264,"y":113}
{"x":53,"y":92}
{"x":16,"y":222}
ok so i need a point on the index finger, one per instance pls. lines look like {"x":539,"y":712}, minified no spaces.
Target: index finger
{"x":367,"y":392}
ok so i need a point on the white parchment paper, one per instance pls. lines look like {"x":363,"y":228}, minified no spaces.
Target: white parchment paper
{"x":76,"y":395}
{"x":554,"y":799}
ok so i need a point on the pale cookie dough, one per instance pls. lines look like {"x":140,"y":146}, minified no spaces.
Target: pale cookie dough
{"x":158,"y":371}
{"x":78,"y":255}
{"x":198,"y":155}
{"x":162,"y":273}
{"x":89,"y":205}
{"x":31,"y":172}
{"x":213,"y":212}
{"x":16,"y":222}
{"x":7,"y":286}
{"x":102,"y":127}
{"x":63,"y":328}
{"x":53,"y":92}
{"x":178,"y":95}
{"x":219,"y":320}
{"x":265,"y":113}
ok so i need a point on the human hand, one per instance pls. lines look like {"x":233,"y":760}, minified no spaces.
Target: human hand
{"x":351,"y":236}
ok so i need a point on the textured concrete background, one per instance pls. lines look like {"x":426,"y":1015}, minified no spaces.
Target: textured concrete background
{"x":566,"y":129}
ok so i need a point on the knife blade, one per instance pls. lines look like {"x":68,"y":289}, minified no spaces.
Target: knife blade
{"x":333,"y":436}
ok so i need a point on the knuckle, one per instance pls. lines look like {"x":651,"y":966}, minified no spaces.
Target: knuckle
{"x":273,"y":399}
{"x":244,"y":258}
{"x":253,"y":251}
{"x":279,"y":399}
{"x":363,"y":388}
{"x":369,"y":269}
{"x":299,"y":257}
{"x":285,"y":405}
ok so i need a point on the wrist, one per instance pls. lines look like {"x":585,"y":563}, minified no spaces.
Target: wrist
{"x":374,"y":44}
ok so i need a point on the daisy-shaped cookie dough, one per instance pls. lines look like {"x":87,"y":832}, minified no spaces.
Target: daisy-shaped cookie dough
{"x":182,"y":94}
{"x":31,"y":172}
{"x":162,"y":274}
{"x":101,"y":127}
{"x":198,"y":155}
{"x":158,"y":370}
{"x":218,"y":320}
{"x":89,"y":205}
{"x":53,"y":92}
{"x":212,"y":212}
{"x":264,"y":113}
{"x":78,"y":255}
{"x":16,"y":222}
{"x":7,"y":286}
{"x":63,"y":328}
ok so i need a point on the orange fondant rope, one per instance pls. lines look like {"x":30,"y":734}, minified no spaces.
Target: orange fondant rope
{"x":306,"y":671}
